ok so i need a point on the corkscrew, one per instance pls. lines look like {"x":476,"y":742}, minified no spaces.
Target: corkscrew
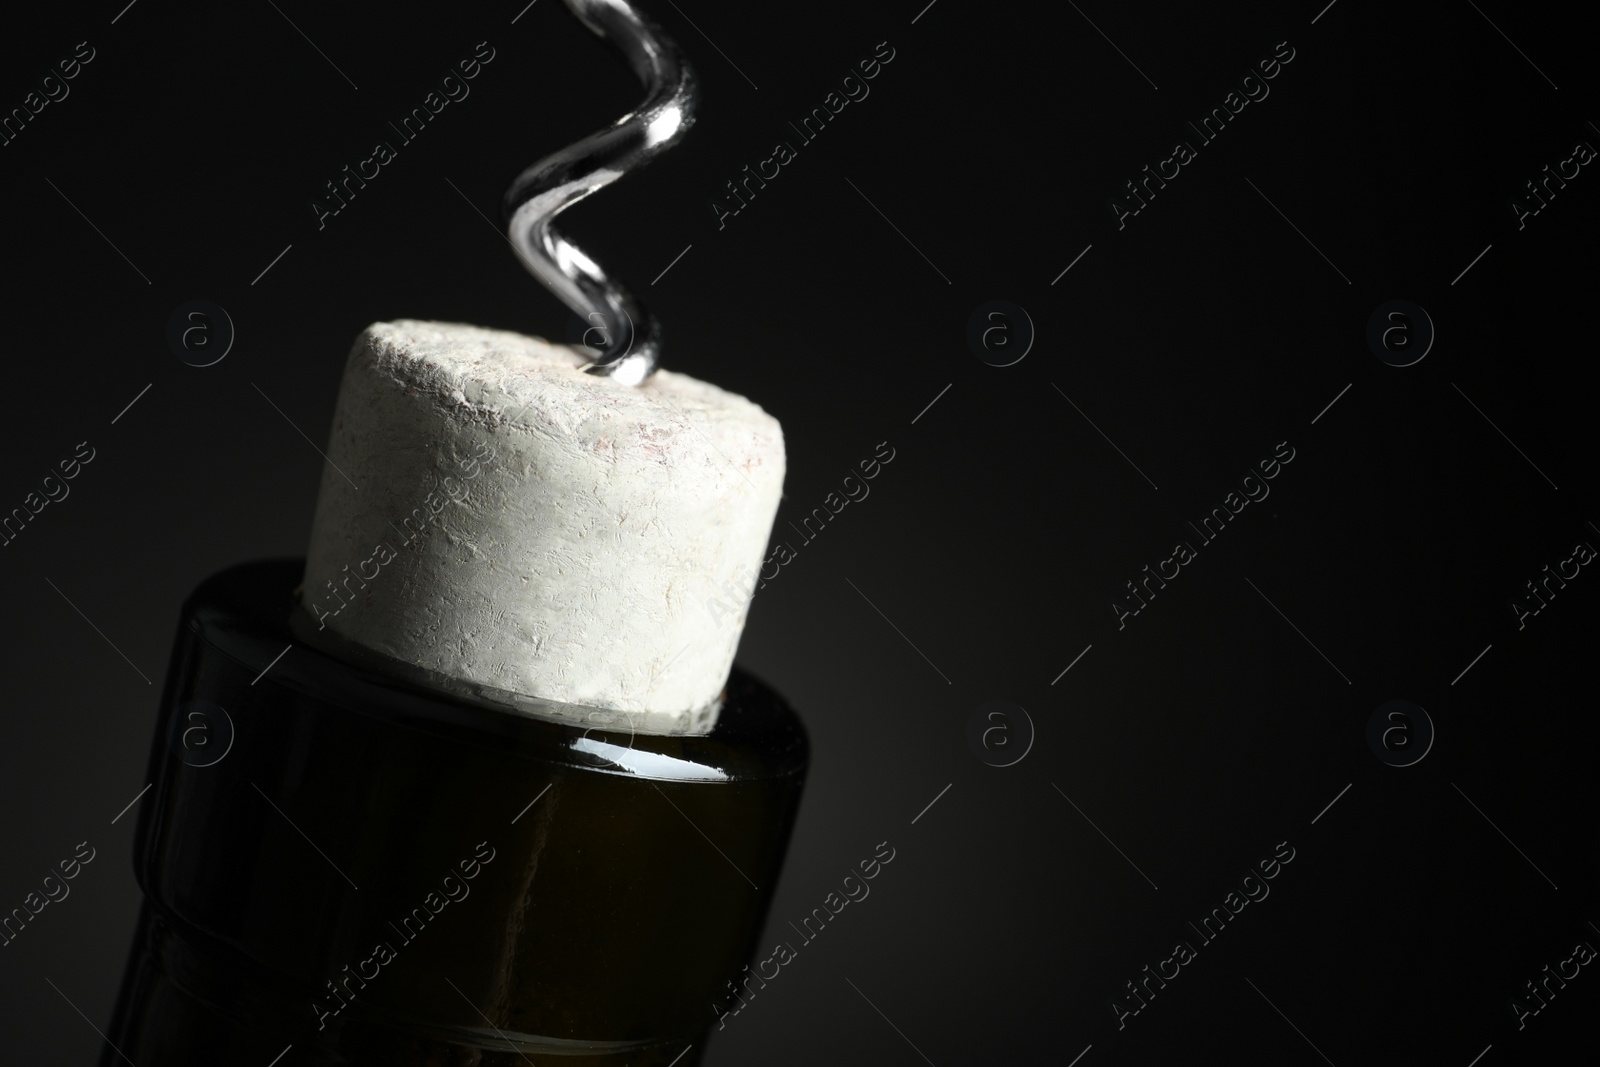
{"x":632,"y":346}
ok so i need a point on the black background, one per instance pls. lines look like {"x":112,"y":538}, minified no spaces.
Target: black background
{"x":1196,"y":338}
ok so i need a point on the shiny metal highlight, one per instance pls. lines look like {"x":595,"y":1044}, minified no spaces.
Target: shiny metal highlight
{"x":633,"y":336}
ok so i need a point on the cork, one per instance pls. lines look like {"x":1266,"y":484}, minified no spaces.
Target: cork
{"x":497,"y":523}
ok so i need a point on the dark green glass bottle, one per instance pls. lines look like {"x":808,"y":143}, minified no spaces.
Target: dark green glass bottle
{"x":342,"y":867}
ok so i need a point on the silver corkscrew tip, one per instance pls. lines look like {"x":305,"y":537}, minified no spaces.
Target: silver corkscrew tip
{"x":540,"y":193}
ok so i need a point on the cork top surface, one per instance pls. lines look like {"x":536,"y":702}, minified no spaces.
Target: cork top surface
{"x":499,"y":377}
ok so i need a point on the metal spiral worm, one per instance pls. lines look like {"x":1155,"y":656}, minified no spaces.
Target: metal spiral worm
{"x":633,"y":336}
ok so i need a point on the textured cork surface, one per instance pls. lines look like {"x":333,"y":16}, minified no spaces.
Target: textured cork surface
{"x":495,"y":516}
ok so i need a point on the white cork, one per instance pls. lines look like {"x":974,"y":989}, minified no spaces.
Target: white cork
{"x":496,"y":522}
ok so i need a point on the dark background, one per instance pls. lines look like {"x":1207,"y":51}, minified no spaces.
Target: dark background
{"x":1196,"y":338}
